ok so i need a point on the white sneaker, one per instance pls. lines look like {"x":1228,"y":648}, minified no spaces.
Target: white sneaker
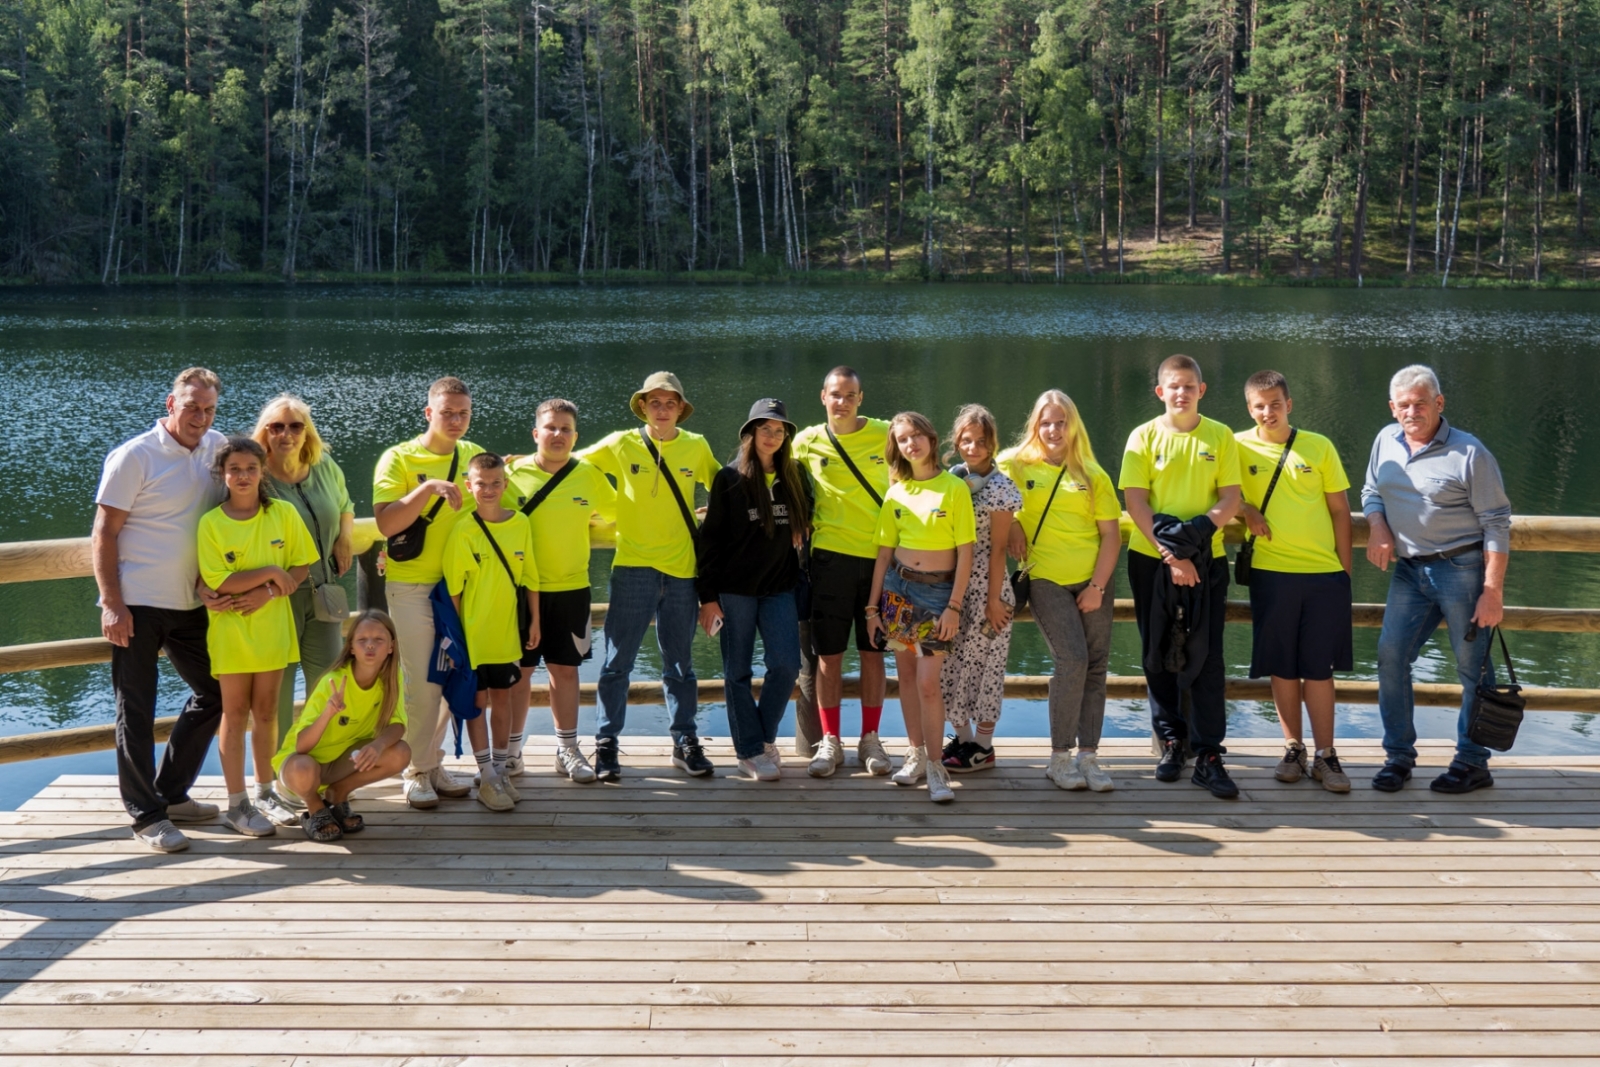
{"x":912,"y":768}
{"x":446,"y":784}
{"x":1064,"y":771}
{"x":1095,"y":775}
{"x":510,"y":789}
{"x":571,"y":763}
{"x":774,"y":757}
{"x":192,"y":811}
{"x":162,"y":837}
{"x":870,"y":752}
{"x":249,"y":822}
{"x":829,"y":757}
{"x":939,"y":790}
{"x":493,"y":796}
{"x":759,"y":768}
{"x":419,"y":792}
{"x":269,"y":803}
{"x":514,"y":765}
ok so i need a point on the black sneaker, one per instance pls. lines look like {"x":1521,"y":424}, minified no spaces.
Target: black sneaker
{"x":952,"y":749}
{"x":1171,"y":764}
{"x":1209,"y":773}
{"x":970,"y":756}
{"x":1391,"y":777}
{"x":1461,"y":777}
{"x":688,"y":757}
{"x":607,"y":768}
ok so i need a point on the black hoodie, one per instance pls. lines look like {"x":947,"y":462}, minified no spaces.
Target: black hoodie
{"x":733,"y":552}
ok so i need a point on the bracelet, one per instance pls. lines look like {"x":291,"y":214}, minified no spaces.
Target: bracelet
{"x":952,"y":607}
{"x":871,"y":613}
{"x":1097,"y":588}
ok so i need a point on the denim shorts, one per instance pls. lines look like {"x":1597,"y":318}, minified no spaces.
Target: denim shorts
{"x":928,"y":602}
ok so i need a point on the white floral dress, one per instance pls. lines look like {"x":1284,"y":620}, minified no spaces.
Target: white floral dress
{"x":974,"y":676}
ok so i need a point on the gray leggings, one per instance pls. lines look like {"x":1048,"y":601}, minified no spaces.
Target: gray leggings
{"x":1081,"y":646}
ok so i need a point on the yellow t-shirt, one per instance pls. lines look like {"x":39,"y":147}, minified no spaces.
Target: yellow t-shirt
{"x":1302,"y":527}
{"x":1182,"y":471}
{"x":928,"y":515}
{"x":844,"y":518}
{"x":351,"y":728}
{"x":400,"y":470}
{"x":650,"y":528}
{"x":1069,"y":543}
{"x":265,"y":639}
{"x":561,"y":522}
{"x":488,"y":596}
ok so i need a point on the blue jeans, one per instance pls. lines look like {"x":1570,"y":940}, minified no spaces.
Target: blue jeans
{"x":754,"y":725}
{"x":639,"y":594}
{"x":1421,"y":595}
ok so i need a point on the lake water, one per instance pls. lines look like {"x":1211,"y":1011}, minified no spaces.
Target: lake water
{"x":87,"y":368}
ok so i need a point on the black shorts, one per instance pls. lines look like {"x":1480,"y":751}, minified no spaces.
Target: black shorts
{"x":1300,"y":625}
{"x":563,"y":624}
{"x":498,"y":675}
{"x":840,"y":586}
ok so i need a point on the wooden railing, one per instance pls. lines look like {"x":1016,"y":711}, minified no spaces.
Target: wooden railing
{"x":27,"y":561}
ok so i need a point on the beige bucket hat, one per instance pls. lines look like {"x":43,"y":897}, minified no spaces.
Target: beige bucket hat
{"x":661,"y":379}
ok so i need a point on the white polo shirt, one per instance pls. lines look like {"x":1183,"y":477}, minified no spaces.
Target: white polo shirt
{"x":164,"y":488}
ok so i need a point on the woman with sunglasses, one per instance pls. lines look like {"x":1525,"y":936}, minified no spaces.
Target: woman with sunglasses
{"x":302,"y":474}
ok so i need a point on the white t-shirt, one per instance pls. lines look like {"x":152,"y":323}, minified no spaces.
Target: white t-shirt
{"x":164,"y":488}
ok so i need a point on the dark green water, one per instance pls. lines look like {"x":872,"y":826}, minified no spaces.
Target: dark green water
{"x":85,"y":369}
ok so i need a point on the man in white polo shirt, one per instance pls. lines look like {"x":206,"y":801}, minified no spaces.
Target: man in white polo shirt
{"x":153,"y":490}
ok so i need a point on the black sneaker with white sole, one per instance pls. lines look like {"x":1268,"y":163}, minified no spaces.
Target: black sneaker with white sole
{"x":1209,"y":773}
{"x":607,"y":768}
{"x":689,"y":757}
{"x":1171,"y":763}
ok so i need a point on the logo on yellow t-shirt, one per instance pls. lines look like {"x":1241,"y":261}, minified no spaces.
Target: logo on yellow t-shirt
{"x":580,"y":501}
{"x":277,"y":542}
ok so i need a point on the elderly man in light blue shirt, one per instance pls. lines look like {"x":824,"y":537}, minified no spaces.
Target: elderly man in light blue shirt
{"x":1437,"y":507}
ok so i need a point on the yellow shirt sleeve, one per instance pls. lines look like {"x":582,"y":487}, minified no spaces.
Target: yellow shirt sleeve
{"x":603,"y":454}
{"x":604,"y":498}
{"x":459,"y":564}
{"x":530,"y":565}
{"x":1227,"y":460}
{"x":1334,"y":479}
{"x":389,"y":478}
{"x":964,"y":518}
{"x":302,"y":549}
{"x":887,"y":534}
{"x":213,"y":568}
{"x":706,"y":465}
{"x":1106,"y":504}
{"x":1135,"y":472}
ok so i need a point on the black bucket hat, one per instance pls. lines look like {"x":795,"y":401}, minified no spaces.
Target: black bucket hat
{"x":764,"y":409}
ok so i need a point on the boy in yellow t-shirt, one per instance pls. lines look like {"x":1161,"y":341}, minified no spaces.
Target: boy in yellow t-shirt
{"x":655,"y":468}
{"x":1300,"y":608}
{"x":1183,"y":466}
{"x":489,"y":571}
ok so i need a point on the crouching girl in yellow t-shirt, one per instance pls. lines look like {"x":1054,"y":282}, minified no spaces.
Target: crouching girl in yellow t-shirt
{"x":258,"y":552}
{"x":352,"y":730}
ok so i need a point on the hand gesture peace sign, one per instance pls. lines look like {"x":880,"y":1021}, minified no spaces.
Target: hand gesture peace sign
{"x":336,"y":696}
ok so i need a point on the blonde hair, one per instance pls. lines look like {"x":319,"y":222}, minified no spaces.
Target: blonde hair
{"x":388,"y":671}
{"x":899,"y":465}
{"x":981,"y":417}
{"x":1079,"y":452}
{"x":311,"y":446}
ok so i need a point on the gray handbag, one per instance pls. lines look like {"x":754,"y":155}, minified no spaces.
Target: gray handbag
{"x":329,"y":601}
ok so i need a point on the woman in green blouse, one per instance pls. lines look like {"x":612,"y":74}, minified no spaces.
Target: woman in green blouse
{"x":301,"y":473}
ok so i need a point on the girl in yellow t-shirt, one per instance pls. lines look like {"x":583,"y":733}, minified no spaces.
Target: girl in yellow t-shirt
{"x":925,"y":535}
{"x":258,"y":552}
{"x":352,"y":730}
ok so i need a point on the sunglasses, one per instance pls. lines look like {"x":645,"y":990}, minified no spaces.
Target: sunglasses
{"x":291,"y":427}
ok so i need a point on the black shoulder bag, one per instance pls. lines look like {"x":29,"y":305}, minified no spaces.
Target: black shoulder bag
{"x":1021,"y":580}
{"x":672,"y":483}
{"x":524,"y":609}
{"x":329,"y":601}
{"x":407,"y":544}
{"x":1496,"y":711}
{"x":850,"y":464}
{"x":555,"y":479}
{"x":1244,"y":562}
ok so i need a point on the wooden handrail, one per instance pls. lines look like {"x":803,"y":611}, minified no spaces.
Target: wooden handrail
{"x":81,"y":739}
{"x":37,"y":561}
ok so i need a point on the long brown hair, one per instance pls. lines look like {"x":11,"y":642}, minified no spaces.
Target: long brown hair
{"x":899,"y":464}
{"x":753,"y":477}
{"x":243,"y":446}
{"x":981,"y":417}
{"x":388,"y":670}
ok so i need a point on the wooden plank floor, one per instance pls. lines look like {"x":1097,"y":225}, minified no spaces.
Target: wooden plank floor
{"x":825,"y":922}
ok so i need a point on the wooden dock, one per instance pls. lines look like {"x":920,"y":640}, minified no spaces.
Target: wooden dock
{"x":825,"y":922}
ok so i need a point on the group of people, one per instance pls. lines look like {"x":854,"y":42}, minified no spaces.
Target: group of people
{"x":225,"y":553}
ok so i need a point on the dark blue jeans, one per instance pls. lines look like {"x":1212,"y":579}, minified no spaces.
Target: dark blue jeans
{"x":754,"y":725}
{"x":1422,"y":595}
{"x":639,"y":594}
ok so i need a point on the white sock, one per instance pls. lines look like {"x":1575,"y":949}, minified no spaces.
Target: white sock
{"x":566,"y":738}
{"x":985,"y":737}
{"x":499,"y":761}
{"x":238,"y":801}
{"x":967,"y":731}
{"x":514,"y":745}
{"x":1323,"y":752}
{"x":485,"y":762}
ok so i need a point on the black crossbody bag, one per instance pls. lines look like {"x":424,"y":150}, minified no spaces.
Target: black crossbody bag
{"x":1244,"y":562}
{"x":555,"y":479}
{"x":1496,"y":712}
{"x":672,"y":483}
{"x":850,"y":465}
{"x":1021,"y":580}
{"x":407,"y":544}
{"x":524,"y":609}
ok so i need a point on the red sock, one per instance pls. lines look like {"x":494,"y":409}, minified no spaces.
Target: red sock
{"x":830,"y":719}
{"x":870,"y":714}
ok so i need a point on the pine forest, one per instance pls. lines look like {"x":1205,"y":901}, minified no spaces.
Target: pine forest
{"x":1335,"y":140}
